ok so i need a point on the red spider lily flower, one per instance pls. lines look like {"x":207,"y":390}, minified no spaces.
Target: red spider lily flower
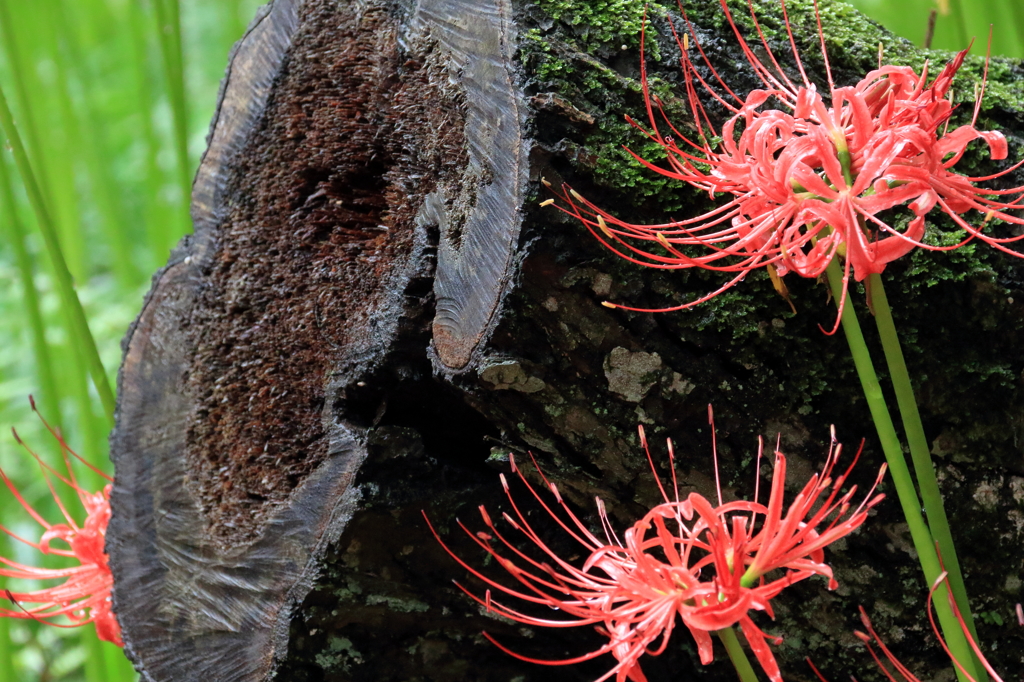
{"x":706,"y":564}
{"x":84,"y":596}
{"x":872,"y":640}
{"x":806,"y":181}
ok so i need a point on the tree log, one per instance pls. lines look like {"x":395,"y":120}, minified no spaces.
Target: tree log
{"x":374,"y":310}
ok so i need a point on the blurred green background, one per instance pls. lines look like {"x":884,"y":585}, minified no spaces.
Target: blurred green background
{"x":957,"y":22}
{"x":112,"y":99}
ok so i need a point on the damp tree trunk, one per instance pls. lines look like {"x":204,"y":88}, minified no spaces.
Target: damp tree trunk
{"x":374,"y":310}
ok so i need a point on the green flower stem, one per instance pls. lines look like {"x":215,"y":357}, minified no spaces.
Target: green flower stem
{"x":737,"y":655}
{"x":920,"y":454}
{"x":65,"y":284}
{"x":900,"y":474}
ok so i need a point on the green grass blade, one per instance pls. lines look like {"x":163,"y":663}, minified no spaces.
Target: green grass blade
{"x":1015,"y":15}
{"x":118,"y":666}
{"x":76,"y":113}
{"x":168,"y":16}
{"x":960,"y":21}
{"x":18,"y":72}
{"x":51,"y":155}
{"x":95,"y":665}
{"x":65,"y":285}
{"x":157,"y":217}
{"x":7,"y":648}
{"x":15,"y":236}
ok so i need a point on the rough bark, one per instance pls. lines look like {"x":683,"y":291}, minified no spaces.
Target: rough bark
{"x":374,"y":311}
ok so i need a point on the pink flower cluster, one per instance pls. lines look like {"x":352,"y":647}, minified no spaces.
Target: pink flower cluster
{"x":707,"y":565}
{"x":806,"y":178}
{"x":84,"y":595}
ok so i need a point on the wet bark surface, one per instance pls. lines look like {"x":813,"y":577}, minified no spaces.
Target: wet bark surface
{"x":375,"y":311}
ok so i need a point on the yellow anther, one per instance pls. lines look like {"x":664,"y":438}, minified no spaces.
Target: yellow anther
{"x":686,"y":41}
{"x":604,"y":227}
{"x":780,"y":286}
{"x":606,"y":304}
{"x":575,"y":195}
{"x":547,"y":202}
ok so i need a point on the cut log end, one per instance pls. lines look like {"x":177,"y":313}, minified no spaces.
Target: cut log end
{"x":342,"y":159}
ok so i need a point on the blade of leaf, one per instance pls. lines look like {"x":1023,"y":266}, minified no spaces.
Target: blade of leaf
{"x":65,"y":285}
